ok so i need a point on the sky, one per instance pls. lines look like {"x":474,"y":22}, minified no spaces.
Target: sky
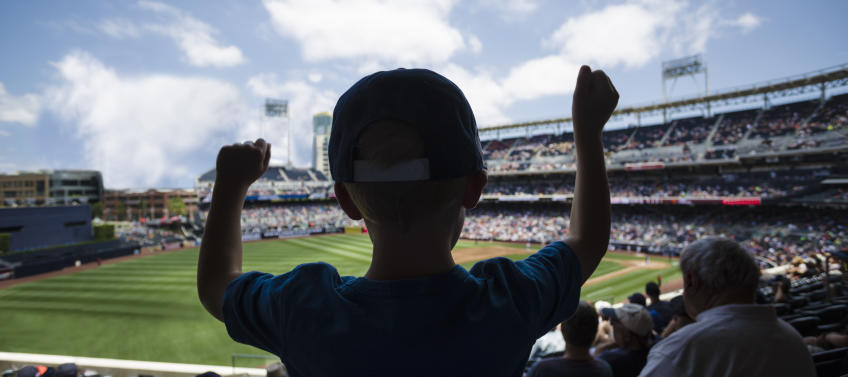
{"x":147,"y":92}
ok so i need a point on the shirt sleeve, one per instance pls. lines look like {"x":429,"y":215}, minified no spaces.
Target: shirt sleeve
{"x":250,"y":313}
{"x":545,"y":287}
{"x":256,"y":304}
{"x":659,"y":364}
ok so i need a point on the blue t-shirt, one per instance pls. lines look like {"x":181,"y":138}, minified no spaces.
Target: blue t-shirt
{"x":481,"y":322}
{"x":625,"y":362}
{"x":561,"y":367}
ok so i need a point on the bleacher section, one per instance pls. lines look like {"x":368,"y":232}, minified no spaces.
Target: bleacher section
{"x":801,"y":126}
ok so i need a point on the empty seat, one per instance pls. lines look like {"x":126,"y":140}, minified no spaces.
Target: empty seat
{"x":807,"y":326}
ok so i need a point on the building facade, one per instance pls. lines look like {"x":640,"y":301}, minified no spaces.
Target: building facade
{"x":51,"y":187}
{"x":321,"y":124}
{"x":148,"y":204}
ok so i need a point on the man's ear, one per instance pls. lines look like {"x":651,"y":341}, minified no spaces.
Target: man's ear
{"x":474,"y":188}
{"x":343,"y":197}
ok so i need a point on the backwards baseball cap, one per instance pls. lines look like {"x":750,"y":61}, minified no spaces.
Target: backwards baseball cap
{"x":633,"y":316}
{"x":428,"y":102}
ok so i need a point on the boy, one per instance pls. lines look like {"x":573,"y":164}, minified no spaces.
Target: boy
{"x":406,"y":158}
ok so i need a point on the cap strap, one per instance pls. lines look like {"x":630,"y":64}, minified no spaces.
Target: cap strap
{"x":373,"y":171}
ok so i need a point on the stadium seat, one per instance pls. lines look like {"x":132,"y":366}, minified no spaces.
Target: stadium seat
{"x":816,"y":295}
{"x":830,"y":327}
{"x":832,"y":314}
{"x":798,"y":302}
{"x":831,"y":363}
{"x":807,"y":326}
{"x":781,"y":308}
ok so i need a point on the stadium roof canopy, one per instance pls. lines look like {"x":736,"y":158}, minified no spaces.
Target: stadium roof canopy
{"x":811,"y":82}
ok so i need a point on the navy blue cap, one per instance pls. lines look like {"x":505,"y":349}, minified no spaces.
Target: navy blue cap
{"x":428,"y":102}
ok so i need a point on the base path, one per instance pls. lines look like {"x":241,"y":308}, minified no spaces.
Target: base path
{"x":632,"y":265}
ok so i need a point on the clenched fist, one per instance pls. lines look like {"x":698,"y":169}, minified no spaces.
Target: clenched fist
{"x":239,"y":165}
{"x":594,"y":100}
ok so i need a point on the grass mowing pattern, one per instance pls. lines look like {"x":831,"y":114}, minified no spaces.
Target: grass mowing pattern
{"x":147,"y":308}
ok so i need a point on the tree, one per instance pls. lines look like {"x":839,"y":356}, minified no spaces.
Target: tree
{"x":5,"y":242}
{"x":142,"y":205}
{"x":97,"y":210}
{"x":176,"y":206}
{"x":121,"y":210}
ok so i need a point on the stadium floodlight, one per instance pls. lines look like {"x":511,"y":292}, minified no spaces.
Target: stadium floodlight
{"x":276,"y":108}
{"x":689,"y":66}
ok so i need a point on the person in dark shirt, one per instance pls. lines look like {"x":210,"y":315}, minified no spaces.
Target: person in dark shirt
{"x":662,"y":308}
{"x":579,"y":332}
{"x":632,"y":326}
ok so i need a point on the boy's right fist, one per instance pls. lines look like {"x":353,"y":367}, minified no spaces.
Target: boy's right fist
{"x":239,"y":165}
{"x":594,"y":100}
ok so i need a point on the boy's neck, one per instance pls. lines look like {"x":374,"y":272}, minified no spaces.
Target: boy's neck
{"x":414,"y":254}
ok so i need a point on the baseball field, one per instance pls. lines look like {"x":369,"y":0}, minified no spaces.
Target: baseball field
{"x":146,"y":308}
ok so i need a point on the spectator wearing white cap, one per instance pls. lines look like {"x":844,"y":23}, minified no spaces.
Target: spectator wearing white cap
{"x":632,"y":326}
{"x":731,"y":335}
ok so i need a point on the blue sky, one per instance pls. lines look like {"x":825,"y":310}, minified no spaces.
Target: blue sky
{"x":148,"y":91}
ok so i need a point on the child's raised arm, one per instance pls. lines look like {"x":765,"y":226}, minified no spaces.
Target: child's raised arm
{"x":594,"y":100}
{"x":238,"y":166}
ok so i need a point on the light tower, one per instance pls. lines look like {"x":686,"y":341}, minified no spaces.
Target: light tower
{"x":689,"y":66}
{"x":277,"y":108}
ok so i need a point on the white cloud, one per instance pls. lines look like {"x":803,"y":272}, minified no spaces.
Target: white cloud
{"x":119,"y":28}
{"x":636,"y":32}
{"x":748,"y":22}
{"x":4,"y":133}
{"x":629,"y":34}
{"x":414,"y":32}
{"x":22,"y":109}
{"x":475,"y":44}
{"x":305,"y":100}
{"x":511,"y":9}
{"x":193,"y":36}
{"x":315,"y":77}
{"x":140,"y":130}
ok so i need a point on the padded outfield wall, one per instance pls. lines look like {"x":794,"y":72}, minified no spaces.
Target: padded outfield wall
{"x":37,"y":227}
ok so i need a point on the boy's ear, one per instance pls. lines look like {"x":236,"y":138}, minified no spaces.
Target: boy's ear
{"x":343,"y":197}
{"x":474,"y":188}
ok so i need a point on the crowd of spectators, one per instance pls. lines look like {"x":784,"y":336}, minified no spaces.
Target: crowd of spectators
{"x":731,"y":319}
{"x":293,"y":216}
{"x":772,"y":185}
{"x":783,"y":120}
{"x":690,"y":131}
{"x":775,"y":235}
{"x":832,"y":116}
{"x":733,"y":127}
{"x":720,"y":154}
{"x":544,"y":152}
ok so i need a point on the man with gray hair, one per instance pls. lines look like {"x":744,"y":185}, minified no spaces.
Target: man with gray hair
{"x":731,"y":335}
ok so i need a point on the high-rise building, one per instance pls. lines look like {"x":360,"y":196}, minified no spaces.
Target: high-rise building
{"x":321,"y":124}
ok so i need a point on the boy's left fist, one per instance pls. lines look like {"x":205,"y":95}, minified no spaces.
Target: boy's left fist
{"x":240,"y":165}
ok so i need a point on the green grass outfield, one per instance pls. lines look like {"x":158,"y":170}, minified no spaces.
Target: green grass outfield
{"x":147,"y":308}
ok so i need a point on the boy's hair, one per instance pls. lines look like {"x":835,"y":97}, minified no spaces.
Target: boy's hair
{"x":388,"y":143}
{"x":580,"y":330}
